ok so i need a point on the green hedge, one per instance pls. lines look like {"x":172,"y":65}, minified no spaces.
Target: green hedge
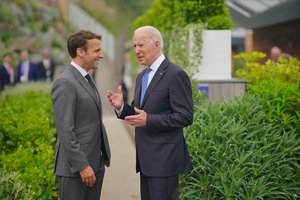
{"x":286,"y":70}
{"x":12,"y":187}
{"x":163,"y":14}
{"x":242,"y":148}
{"x":27,"y":135}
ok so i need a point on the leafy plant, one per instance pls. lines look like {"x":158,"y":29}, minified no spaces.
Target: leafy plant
{"x":7,"y":16}
{"x":115,"y":15}
{"x":19,"y":116}
{"x":13,"y":188}
{"x":286,"y":69}
{"x":179,"y":39}
{"x":163,"y":14}
{"x":240,"y":152}
{"x":27,"y":136}
{"x":34,"y":164}
{"x":282,"y":103}
{"x":58,"y":42}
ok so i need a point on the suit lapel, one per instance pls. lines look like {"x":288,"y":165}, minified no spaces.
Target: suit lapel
{"x":155,"y":80}
{"x":86,"y":86}
{"x":138,"y":89}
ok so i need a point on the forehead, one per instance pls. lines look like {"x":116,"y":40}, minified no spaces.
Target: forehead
{"x":141,"y":36}
{"x":94,"y":43}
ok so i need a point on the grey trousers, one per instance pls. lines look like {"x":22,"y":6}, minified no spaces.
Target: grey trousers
{"x":72,"y":188}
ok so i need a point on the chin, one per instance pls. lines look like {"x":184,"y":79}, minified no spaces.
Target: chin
{"x":142,"y":62}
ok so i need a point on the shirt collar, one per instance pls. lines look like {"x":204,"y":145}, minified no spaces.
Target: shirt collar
{"x":80,"y":69}
{"x":157,"y":62}
{"x":6,"y":65}
{"x":25,"y":62}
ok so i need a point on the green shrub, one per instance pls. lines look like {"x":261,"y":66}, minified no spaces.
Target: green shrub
{"x":163,"y":14}
{"x":218,"y":22}
{"x":281,"y":101}
{"x":6,"y":16}
{"x":286,"y":70}
{"x":177,"y":42}
{"x":13,"y":188}
{"x":24,"y":119}
{"x":26,"y":87}
{"x":35,"y":167}
{"x":58,"y":42}
{"x":27,"y":135}
{"x":240,"y":152}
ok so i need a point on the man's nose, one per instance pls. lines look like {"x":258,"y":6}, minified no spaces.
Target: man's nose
{"x":101,"y":54}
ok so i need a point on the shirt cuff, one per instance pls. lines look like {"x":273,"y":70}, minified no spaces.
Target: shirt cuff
{"x":119,"y":112}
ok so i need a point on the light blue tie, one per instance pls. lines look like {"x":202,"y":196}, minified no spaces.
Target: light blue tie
{"x":144,"y":84}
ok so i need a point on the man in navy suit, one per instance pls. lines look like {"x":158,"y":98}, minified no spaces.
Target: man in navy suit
{"x":27,"y":70}
{"x":6,"y":71}
{"x":47,"y":67}
{"x":159,"y":117}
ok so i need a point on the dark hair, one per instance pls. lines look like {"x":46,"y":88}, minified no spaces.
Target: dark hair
{"x":6,"y":54}
{"x":79,"y":40}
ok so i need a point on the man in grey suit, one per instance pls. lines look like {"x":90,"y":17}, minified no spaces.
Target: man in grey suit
{"x":161,"y":108}
{"x":82,"y":148}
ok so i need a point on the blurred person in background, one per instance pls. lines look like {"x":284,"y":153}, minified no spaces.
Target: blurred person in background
{"x":47,"y":67}
{"x":27,"y":70}
{"x":275,"y":53}
{"x":125,"y":75}
{"x":7,"y":76}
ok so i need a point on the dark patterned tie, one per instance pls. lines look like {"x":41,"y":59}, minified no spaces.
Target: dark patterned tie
{"x":91,"y":82}
{"x":145,"y":84}
{"x":103,"y":146}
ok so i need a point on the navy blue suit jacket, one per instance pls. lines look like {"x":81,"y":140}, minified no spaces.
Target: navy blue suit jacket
{"x":4,"y":77}
{"x":161,"y":147}
{"x":33,"y":74}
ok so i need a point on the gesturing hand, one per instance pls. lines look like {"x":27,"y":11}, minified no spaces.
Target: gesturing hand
{"x":88,"y":176}
{"x":137,"y":120}
{"x":116,"y":99}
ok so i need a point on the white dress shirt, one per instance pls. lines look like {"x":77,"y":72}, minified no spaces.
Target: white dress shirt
{"x":80,"y":69}
{"x":24,"y":71}
{"x":154,"y":67}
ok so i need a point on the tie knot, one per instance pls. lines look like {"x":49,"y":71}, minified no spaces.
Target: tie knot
{"x":88,"y":77}
{"x":90,"y":81}
{"x":148,"y":70}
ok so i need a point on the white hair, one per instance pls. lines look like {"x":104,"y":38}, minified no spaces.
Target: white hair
{"x":155,"y":35}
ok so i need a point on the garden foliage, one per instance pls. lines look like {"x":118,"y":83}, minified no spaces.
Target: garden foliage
{"x":254,"y":69}
{"x":163,"y":14}
{"x":247,"y":147}
{"x":27,"y":136}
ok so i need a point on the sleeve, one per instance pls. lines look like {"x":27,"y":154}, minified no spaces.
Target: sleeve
{"x":181,"y":104}
{"x":64,"y":103}
{"x":126,"y":110}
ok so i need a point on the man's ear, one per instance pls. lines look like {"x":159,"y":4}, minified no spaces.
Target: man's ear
{"x":80,"y":52}
{"x":157,"y":45}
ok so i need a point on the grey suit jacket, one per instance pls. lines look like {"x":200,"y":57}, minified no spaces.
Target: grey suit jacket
{"x":161,"y":147}
{"x":81,"y":135}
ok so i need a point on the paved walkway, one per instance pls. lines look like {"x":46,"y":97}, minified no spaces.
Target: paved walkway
{"x":120,"y":181}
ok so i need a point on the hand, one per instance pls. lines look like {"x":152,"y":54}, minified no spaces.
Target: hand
{"x":138,"y":120}
{"x":116,"y":99}
{"x":88,"y":176}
